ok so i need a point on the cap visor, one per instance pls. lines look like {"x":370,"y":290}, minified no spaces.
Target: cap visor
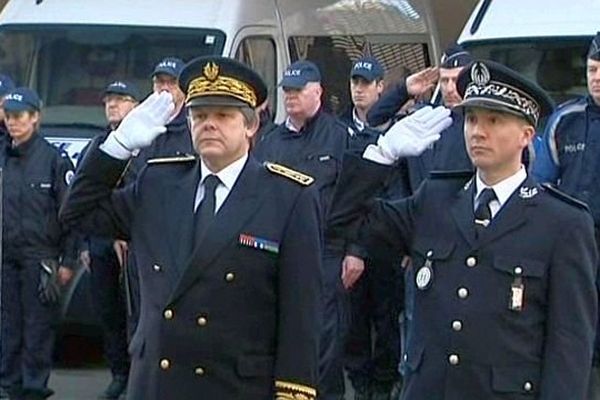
{"x":293,"y":83}
{"x":208,"y":101}
{"x":13,"y":106}
{"x":364,"y":75}
{"x":164,"y":71}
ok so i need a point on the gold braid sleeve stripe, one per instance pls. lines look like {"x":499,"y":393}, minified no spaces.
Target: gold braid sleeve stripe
{"x":294,"y":391}
{"x":224,"y":86}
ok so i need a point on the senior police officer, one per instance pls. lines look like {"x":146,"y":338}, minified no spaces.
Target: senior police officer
{"x":37,"y":251}
{"x":568,"y":154}
{"x":313,"y":142}
{"x":120,"y":97}
{"x":505,"y":304}
{"x":229,"y":265}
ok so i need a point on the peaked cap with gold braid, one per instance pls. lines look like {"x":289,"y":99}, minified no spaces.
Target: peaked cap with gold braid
{"x":221,"y":81}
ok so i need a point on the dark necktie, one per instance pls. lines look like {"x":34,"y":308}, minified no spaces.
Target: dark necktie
{"x":483,"y":213}
{"x":205,"y":213}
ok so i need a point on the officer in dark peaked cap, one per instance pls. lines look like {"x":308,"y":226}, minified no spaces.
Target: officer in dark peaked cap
{"x":505,"y":299}
{"x":228,"y":249}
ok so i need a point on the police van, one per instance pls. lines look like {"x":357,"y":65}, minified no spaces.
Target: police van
{"x":69,"y":50}
{"x":546,"y":40}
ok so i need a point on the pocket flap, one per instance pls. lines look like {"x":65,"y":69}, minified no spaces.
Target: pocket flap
{"x":528,"y":267}
{"x":434,"y":249}
{"x":255,"y":365}
{"x":523,"y":379}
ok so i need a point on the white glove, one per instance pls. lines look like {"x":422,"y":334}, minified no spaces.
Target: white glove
{"x":140,"y":127}
{"x":410,"y":136}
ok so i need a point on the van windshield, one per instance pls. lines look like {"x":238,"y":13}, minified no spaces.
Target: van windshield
{"x":556,"y":64}
{"x":70,"y":65}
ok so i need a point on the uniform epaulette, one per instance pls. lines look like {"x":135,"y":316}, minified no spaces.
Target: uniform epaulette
{"x":551,"y":190}
{"x":289,"y":173}
{"x":175,"y":159}
{"x":456,"y":174}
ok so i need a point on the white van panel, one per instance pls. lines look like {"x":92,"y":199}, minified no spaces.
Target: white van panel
{"x":534,"y":18}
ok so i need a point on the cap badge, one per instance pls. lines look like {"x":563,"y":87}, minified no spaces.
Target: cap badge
{"x":480,"y":74}
{"x":211,"y":71}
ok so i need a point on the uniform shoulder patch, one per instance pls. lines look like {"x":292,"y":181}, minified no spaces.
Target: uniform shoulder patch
{"x":170,"y":160}
{"x":554,"y":192}
{"x":454,"y":174}
{"x":289,"y":173}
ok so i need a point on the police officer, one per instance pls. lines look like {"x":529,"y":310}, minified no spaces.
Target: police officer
{"x":229,"y":264}
{"x":120,"y":97}
{"x":448,"y":153}
{"x":37,"y":251}
{"x":506,"y":302}
{"x":313,"y":142}
{"x":568,"y":153}
{"x":371,"y":360}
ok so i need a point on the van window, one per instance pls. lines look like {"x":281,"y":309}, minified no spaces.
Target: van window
{"x":70,"y":65}
{"x":334,"y":56}
{"x":259,"y":53}
{"x":556,"y":64}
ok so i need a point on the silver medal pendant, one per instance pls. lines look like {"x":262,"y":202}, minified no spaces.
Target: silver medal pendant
{"x":424,"y":276}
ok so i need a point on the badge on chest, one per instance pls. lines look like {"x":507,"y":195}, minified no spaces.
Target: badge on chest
{"x":517,"y":290}
{"x":424,"y":276}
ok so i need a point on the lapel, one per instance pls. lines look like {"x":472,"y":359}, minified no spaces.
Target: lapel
{"x":462,"y":211}
{"x":513,"y":214}
{"x":179,"y":200}
{"x":239,"y":206}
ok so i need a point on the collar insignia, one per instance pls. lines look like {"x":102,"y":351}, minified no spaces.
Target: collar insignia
{"x":528,"y":193}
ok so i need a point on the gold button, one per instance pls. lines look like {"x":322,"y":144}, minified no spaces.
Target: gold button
{"x":471,"y":262}
{"x":168,"y":314}
{"x":463,"y":293}
{"x":230,"y":277}
{"x":202,"y":321}
{"x":453,"y":359}
{"x":199,"y":371}
{"x":156,"y":268}
{"x":457,"y":325}
{"x":165,"y":364}
{"x":528,"y":386}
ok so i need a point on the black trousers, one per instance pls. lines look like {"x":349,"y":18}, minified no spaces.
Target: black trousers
{"x":28,"y":331}
{"x":109,"y":303}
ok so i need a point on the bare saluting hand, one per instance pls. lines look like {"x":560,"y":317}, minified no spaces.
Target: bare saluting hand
{"x":352,"y":270}
{"x":423,"y":81}
{"x":64,"y":275}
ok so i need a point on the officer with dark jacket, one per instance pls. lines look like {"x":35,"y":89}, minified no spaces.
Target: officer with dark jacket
{"x":568,"y":155}
{"x":505,"y":300}
{"x":228,"y":249}
{"x":313,"y":142}
{"x":372,"y":345}
{"x":175,"y":141}
{"x":37,"y":250}
{"x":108,"y":297}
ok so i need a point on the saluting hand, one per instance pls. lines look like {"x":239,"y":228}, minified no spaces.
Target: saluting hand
{"x":141,"y":126}
{"x":422,"y":82}
{"x":410,"y":136}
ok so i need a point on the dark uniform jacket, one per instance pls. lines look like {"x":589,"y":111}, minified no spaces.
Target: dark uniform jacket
{"x":388,"y":105}
{"x":35,"y":179}
{"x":231,"y":317}
{"x":465,"y":342}
{"x":316,"y":150}
{"x":447,"y":154}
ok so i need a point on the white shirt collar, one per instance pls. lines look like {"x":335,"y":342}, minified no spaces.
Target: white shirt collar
{"x":227,"y":175}
{"x":360,"y":125}
{"x":505,"y":188}
{"x":290,"y":125}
